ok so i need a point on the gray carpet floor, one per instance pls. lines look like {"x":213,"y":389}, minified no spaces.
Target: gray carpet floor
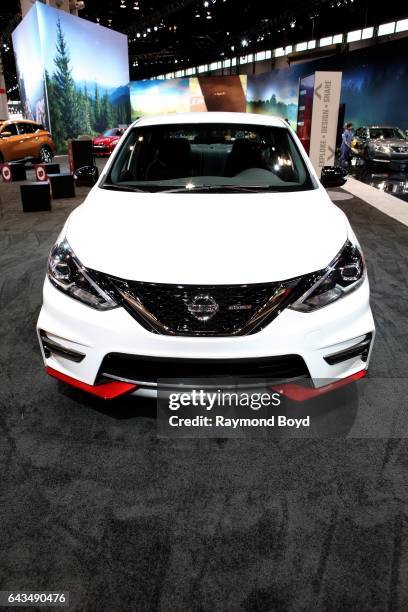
{"x":92,"y":502}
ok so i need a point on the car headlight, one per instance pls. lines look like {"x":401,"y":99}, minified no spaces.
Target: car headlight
{"x":343,"y":275}
{"x":67,"y":274}
{"x":382,"y":148}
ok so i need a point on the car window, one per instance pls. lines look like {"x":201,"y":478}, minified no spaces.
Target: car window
{"x":10,"y":128}
{"x":210,"y":155}
{"x":25,"y":128}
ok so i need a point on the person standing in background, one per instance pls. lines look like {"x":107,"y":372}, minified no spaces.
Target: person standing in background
{"x":346,"y":140}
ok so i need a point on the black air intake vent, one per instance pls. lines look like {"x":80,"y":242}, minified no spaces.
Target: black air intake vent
{"x":151,"y":369}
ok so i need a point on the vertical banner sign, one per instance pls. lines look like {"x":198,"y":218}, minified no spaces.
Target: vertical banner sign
{"x":3,"y":95}
{"x":71,"y":157}
{"x":305,"y":109}
{"x":326,"y":101}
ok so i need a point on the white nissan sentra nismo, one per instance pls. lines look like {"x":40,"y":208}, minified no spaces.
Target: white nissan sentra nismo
{"x":208,"y":247}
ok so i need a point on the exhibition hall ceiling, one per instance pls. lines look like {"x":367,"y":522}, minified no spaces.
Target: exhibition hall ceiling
{"x":166,"y":35}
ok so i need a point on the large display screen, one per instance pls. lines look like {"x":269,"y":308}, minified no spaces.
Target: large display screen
{"x":159,"y":97}
{"x":80,"y":81}
{"x":30,"y":68}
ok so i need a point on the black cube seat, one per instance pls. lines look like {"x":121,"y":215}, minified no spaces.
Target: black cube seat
{"x":52,"y":168}
{"x":62,"y":185}
{"x":35,"y":196}
{"x":17,"y":172}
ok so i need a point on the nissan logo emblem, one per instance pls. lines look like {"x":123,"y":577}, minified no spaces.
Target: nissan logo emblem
{"x":203,"y":307}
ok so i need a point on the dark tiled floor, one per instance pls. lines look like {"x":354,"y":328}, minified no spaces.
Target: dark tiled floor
{"x":91,"y":501}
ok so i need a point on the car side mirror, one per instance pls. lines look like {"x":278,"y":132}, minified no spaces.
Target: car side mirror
{"x":333,"y":176}
{"x":87,"y":176}
{"x":5,"y":134}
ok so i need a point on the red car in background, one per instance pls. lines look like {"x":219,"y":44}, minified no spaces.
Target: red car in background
{"x":105,"y":143}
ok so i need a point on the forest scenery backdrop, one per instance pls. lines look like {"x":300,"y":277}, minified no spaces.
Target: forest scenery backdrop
{"x":81,"y":84}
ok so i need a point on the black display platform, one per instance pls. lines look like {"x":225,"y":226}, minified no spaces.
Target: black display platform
{"x":35,"y":196}
{"x":80,"y":154}
{"x":17,"y":172}
{"x":42,"y":171}
{"x":62,"y":185}
{"x":52,"y":168}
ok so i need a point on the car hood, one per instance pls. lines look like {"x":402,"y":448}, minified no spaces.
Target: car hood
{"x":206,"y":238}
{"x":105,"y":140}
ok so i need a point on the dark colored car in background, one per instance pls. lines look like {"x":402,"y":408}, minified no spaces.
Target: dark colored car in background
{"x":104,"y":144}
{"x":23,"y":140}
{"x":382,"y":144}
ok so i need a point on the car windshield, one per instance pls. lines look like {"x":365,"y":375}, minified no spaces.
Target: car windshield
{"x":209,"y":156}
{"x":386,"y":133}
{"x":112,"y":132}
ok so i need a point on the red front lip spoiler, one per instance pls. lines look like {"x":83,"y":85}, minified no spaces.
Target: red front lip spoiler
{"x":107,"y":391}
{"x":293,"y":391}
{"x":300,"y":393}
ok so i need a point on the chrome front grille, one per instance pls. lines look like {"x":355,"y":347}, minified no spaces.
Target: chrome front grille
{"x":205,"y":310}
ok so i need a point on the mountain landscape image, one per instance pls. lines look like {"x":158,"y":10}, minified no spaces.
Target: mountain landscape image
{"x":79,"y":107}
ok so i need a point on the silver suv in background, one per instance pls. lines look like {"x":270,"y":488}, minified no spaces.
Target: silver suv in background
{"x":382,"y":144}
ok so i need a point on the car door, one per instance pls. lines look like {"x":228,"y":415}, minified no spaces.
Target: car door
{"x":27,"y":147}
{"x":9,"y":144}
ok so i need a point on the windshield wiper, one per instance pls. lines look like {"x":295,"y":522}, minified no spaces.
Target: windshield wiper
{"x":116,"y":187}
{"x":197,"y":188}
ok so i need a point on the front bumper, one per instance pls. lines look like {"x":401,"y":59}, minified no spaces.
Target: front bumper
{"x":311,"y":336}
{"x":391,"y":158}
{"x":102,"y":150}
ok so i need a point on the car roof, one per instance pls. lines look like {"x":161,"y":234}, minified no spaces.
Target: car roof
{"x":211,"y":117}
{"x":9,"y":121}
